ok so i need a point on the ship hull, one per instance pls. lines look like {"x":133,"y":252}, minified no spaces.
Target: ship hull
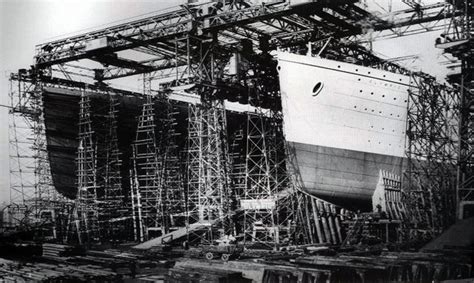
{"x":344,"y":123}
{"x":344,"y":177}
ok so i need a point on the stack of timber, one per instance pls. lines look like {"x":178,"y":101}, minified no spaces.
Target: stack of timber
{"x":189,"y":274}
{"x":122,"y":263}
{"x":55,"y":250}
{"x":67,"y":263}
{"x":12,"y":271}
{"x":387,"y":267}
{"x":107,"y":258}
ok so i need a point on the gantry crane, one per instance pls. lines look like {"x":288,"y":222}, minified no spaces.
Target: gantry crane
{"x":192,"y":45}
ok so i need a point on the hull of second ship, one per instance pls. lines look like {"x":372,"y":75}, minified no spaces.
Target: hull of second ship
{"x":345,"y":123}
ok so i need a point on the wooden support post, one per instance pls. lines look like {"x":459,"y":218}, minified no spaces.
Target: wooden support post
{"x":393,"y":206}
{"x":328,"y":278}
{"x":305,"y":203}
{"x":361,"y":275}
{"x":301,"y":216}
{"x":316,"y":220}
{"x":327,"y":233}
{"x":331,"y":223}
{"x":300,"y":276}
{"x":338,"y":223}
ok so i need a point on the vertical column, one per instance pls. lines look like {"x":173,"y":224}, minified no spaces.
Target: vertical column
{"x":208,"y":191}
{"x":86,"y":209}
{"x":147,"y":171}
{"x":465,"y":190}
{"x":111,"y":202}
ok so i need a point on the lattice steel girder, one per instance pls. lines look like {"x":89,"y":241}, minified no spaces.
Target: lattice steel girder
{"x":261,"y":13}
{"x":459,"y":41}
{"x":23,"y":119}
{"x":432,"y":140}
{"x":53,"y":82}
{"x":425,"y":14}
{"x":466,"y":150}
{"x":148,"y":166}
{"x":155,"y":65}
{"x":86,"y":206}
{"x":426,"y":18}
{"x":148,"y":31}
{"x":232,"y":20}
{"x":111,"y":199}
{"x":162,"y":27}
{"x":246,"y":16}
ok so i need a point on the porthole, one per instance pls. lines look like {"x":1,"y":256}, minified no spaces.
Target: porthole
{"x":278,"y":68}
{"x":317,"y":88}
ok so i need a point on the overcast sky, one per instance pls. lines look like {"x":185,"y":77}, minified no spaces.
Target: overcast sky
{"x":25,"y":23}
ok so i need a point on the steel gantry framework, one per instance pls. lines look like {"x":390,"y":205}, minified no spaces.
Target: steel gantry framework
{"x":458,"y":41}
{"x":176,"y":40}
{"x":112,"y":206}
{"x":23,"y":121}
{"x":212,"y":49}
{"x":432,"y":144}
{"x":86,"y":210}
{"x":259,"y":195}
{"x":34,"y":202}
{"x":147,"y":183}
{"x":209,"y":194}
{"x":157,"y":186}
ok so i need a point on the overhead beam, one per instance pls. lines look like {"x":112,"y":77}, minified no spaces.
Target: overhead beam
{"x":115,"y":73}
{"x":296,"y":23}
{"x":114,"y":60}
{"x":149,"y":30}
